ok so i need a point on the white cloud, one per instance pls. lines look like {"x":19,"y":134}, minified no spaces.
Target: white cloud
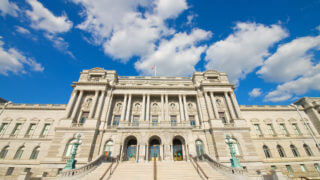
{"x":43,"y":19}
{"x":60,"y":44}
{"x":7,"y":7}
{"x":309,"y":81}
{"x":244,"y":50}
{"x":22,"y":30}
{"x":176,"y":56}
{"x":290,"y":60}
{"x":255,"y":92}
{"x":123,"y":29}
{"x":12,"y":60}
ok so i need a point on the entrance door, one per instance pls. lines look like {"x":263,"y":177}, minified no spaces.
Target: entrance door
{"x":155,"y":152}
{"x":131,"y":153}
{"x":177,"y":150}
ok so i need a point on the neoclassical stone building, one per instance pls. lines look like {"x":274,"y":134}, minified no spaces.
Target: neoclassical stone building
{"x":140,"y":118}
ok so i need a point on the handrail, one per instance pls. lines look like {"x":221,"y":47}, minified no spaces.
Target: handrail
{"x":154,"y":169}
{"x":84,"y":169}
{"x":110,"y":167}
{"x":195,"y":162}
{"x":221,"y":166}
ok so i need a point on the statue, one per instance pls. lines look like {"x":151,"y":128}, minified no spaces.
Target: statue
{"x":234,"y":160}
{"x":71,"y":163}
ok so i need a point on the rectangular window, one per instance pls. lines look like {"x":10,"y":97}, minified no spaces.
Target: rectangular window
{"x":154,"y":120}
{"x":283,"y":129}
{"x":16,"y":129}
{"x":296,"y":128}
{"x":270,"y":129}
{"x":317,"y":167}
{"x":136,"y":119}
{"x":258,"y":130}
{"x":31,"y":129}
{"x":289,"y":169}
{"x":222,"y":117}
{"x":173,"y":119}
{"x":3,"y":128}
{"x":116,"y":120}
{"x":9,"y":171}
{"x":303,"y":168}
{"x":45,"y":129}
{"x":192,"y":120}
{"x":84,"y":117}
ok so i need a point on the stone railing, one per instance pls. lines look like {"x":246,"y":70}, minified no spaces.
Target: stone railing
{"x":220,"y":166}
{"x":195,"y":164}
{"x":82,"y":171}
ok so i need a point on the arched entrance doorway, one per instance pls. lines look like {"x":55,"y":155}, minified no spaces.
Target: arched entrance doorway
{"x":108,"y":148}
{"x":177,"y":149}
{"x":130,"y":149}
{"x":154,"y":148}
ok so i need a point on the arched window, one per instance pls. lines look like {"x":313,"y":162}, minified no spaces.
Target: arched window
{"x":199,"y":147}
{"x":69,"y":148}
{"x":266,"y":151}
{"x":308,"y":150}
{"x":4,"y":152}
{"x":108,"y":148}
{"x":19,"y":153}
{"x":35,"y":152}
{"x":281,"y":151}
{"x":294,"y":151}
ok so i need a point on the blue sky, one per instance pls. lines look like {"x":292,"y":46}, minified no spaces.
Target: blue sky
{"x":269,"y":49}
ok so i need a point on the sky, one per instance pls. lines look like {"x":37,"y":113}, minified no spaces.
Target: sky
{"x":270,"y":50}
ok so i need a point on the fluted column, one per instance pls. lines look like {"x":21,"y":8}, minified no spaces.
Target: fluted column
{"x":148,"y":108}
{"x":209,"y":106}
{"x":181,"y":109}
{"x":99,"y":108}
{"x":229,"y":105}
{"x":162,"y":108}
{"x":199,"y":110}
{"x":236,"y":105}
{"x":214,"y":104}
{"x":76,"y":108}
{"x":167,"y":107}
{"x":128,"y":108}
{"x":143,"y":107}
{"x":124,"y":105}
{"x":71,"y":103}
{"x":185,"y":108}
{"x":94,"y":103}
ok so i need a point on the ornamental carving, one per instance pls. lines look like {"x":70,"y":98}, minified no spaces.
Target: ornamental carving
{"x":155,"y":107}
{"x":118,"y":107}
{"x":136,"y":107}
{"x":87,"y":103}
{"x":172,"y":107}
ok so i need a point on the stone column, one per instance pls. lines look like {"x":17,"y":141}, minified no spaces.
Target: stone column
{"x":124,"y":105}
{"x":215,"y":108}
{"x":167,"y":108}
{"x":99,"y":108}
{"x":162,"y":108}
{"x":76,"y":108}
{"x":143,"y":107}
{"x":181,"y":109}
{"x":199,"y":110}
{"x":229,"y":106}
{"x":209,"y":106}
{"x":94,"y":103}
{"x":236,"y":105}
{"x":148,"y":108}
{"x":128,"y":108}
{"x":185,"y":108}
{"x":71,"y":103}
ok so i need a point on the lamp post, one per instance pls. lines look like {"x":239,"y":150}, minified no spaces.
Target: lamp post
{"x":234,"y":160}
{"x":4,"y":107}
{"x":307,"y":126}
{"x":71,"y":163}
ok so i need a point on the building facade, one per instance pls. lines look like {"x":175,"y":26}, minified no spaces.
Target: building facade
{"x":167,"y":118}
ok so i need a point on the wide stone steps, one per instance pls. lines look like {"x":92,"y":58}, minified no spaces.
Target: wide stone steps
{"x":98,"y":172}
{"x":133,"y":171}
{"x":177,"y":170}
{"x":212,"y":173}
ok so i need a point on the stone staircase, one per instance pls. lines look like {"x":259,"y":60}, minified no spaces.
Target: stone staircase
{"x":98,"y":172}
{"x":177,"y":170}
{"x":133,"y":171}
{"x":212,"y":173}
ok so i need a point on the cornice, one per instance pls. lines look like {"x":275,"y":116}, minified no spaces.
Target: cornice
{"x":36,"y":106}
